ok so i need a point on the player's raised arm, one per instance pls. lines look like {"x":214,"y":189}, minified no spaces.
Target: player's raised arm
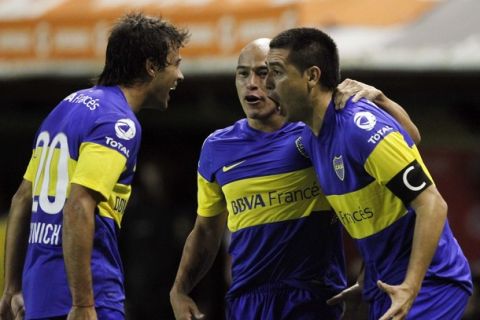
{"x":199,"y":252}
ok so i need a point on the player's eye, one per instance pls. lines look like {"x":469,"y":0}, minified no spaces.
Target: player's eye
{"x":242,"y":74}
{"x":262,"y":73}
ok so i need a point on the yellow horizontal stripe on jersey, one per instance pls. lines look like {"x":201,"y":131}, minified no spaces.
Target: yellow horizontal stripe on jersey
{"x":114,"y":207}
{"x":32,"y":168}
{"x":368,"y":210}
{"x":273,"y":198}
{"x":98,"y":168}
{"x":211,"y":201}
{"x":390,"y":157}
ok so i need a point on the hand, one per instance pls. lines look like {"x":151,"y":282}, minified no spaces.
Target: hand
{"x":82,"y":313}
{"x":402,"y":297}
{"x":18,"y":306}
{"x":12,"y":307}
{"x":184,"y":307}
{"x":354,"y":88}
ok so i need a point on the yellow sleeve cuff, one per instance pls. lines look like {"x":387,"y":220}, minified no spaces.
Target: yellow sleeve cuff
{"x":98,"y":168}
{"x":211,"y":201}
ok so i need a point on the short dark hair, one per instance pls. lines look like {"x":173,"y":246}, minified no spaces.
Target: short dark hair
{"x":133,"y":40}
{"x":311,"y":47}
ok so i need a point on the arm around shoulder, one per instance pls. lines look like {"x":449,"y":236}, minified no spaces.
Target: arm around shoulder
{"x":400,"y":114}
{"x":357,"y":90}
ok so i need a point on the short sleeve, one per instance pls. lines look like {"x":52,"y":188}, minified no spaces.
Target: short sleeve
{"x":387,"y":153}
{"x":104,"y":152}
{"x":367,"y":127}
{"x":399,"y":167}
{"x":116,"y":132}
{"x":211,"y":200}
{"x":205,"y":162}
{"x":98,"y":168}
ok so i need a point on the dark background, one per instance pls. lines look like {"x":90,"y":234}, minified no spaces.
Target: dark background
{"x":444,"y":105}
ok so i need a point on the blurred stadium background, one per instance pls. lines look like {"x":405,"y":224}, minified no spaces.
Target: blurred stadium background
{"x":425,"y":54}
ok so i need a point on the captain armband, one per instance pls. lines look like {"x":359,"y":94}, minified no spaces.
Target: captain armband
{"x":409,"y":182}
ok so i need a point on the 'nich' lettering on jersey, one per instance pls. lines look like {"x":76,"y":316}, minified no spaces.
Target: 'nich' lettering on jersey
{"x":92,"y":139}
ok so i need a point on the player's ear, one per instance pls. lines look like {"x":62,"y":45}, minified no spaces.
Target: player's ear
{"x":313,"y":75}
{"x":150,"y":68}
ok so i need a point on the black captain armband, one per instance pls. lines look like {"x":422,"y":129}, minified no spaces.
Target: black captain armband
{"x":409,"y":182}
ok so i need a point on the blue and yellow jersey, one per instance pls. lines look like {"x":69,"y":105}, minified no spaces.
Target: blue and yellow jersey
{"x":91,"y":138}
{"x":282,"y":227}
{"x":370,"y":171}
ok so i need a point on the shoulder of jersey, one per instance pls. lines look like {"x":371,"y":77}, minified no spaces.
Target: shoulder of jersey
{"x":91,"y":92}
{"x":95,"y":98}
{"x":352,"y":109}
{"x":294,"y":126}
{"x":361,"y":105}
{"x":225,"y":133}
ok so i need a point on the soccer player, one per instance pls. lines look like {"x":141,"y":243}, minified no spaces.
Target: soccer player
{"x":286,"y":247}
{"x":373,"y":176}
{"x":65,"y":217}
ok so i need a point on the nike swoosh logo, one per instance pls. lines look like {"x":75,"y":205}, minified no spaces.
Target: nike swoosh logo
{"x":230,"y":167}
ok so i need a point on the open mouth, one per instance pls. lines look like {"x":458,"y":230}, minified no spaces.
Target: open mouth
{"x":252,"y":99}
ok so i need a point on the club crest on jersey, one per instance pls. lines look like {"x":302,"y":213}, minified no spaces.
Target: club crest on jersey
{"x":339,"y":167}
{"x":125,"y":129}
{"x":365,"y":120}
{"x":301,"y":147}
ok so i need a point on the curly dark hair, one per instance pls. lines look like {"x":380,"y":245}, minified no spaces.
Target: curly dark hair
{"x":311,"y":47}
{"x":135,"y":39}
